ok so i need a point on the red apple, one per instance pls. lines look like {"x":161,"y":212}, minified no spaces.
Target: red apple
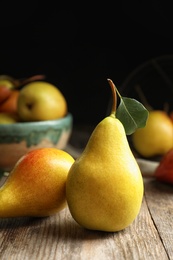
{"x":164,"y":171}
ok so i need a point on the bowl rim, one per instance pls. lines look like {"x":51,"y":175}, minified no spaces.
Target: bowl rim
{"x":13,"y":128}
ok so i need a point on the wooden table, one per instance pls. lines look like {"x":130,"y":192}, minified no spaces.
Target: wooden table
{"x":150,"y":236}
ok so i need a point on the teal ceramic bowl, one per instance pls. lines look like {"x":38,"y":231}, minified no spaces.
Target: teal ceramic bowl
{"x":19,"y":138}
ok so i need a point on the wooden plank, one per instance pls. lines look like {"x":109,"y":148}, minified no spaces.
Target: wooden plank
{"x":159,"y":197}
{"x":60,"y":237}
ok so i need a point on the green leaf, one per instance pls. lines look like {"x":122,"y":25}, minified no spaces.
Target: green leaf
{"x":132,"y":114}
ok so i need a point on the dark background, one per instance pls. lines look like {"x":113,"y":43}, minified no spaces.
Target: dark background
{"x":79,"y":47}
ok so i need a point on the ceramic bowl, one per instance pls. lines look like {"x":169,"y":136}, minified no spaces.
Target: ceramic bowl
{"x":19,"y":138}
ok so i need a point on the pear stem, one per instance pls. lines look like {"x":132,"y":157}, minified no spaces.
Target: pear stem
{"x":32,"y":78}
{"x":114,"y":96}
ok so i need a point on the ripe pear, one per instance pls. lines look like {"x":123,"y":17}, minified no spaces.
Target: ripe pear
{"x":36,"y":185}
{"x":156,"y":138}
{"x":6,"y":83}
{"x":41,"y":100}
{"x":8,"y":118}
{"x":104,"y":188}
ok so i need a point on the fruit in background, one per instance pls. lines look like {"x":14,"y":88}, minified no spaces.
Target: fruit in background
{"x":10,"y":103}
{"x":6,"y":83}
{"x":164,"y":171}
{"x":104,"y":187}
{"x":156,"y":138}
{"x":40,"y":100}
{"x":36,"y":185}
{"x":8,"y":118}
{"x":171,"y":116}
{"x":14,"y":83}
{"x":4,"y":93}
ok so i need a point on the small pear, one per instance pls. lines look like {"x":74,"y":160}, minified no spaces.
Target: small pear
{"x":156,"y":138}
{"x":104,"y":188}
{"x":8,"y":118}
{"x":36,"y":185}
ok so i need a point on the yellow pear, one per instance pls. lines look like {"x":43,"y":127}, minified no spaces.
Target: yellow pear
{"x":156,"y":138}
{"x":104,"y":187}
{"x":36,"y":185}
{"x":7,"y":83}
{"x":41,"y":100}
{"x":8,"y":118}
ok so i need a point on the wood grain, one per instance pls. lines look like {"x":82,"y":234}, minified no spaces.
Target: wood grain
{"x":150,"y":236}
{"x":159,"y":197}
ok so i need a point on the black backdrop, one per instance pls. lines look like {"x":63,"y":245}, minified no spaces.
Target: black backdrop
{"x":79,"y":47}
